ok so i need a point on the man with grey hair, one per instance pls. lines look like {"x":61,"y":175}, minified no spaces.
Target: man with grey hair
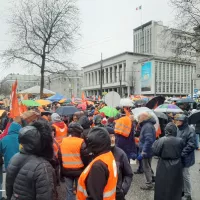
{"x":147,"y":138}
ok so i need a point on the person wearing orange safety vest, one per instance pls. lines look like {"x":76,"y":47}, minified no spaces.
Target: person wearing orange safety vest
{"x":60,"y":127}
{"x":73,"y":157}
{"x":124,"y":129}
{"x":99,"y":179}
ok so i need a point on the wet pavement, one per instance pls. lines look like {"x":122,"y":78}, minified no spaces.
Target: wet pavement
{"x":135,"y":193}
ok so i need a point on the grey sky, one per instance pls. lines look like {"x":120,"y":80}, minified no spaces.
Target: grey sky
{"x":107,"y":27}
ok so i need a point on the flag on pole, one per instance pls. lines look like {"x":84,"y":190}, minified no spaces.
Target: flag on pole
{"x":73,"y":99}
{"x":139,"y":8}
{"x":83,"y":97}
{"x":99,"y":98}
{"x":14,"y":105}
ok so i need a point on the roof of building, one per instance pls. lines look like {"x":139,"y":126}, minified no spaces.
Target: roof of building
{"x":121,"y":54}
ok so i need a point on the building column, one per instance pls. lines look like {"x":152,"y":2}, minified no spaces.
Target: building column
{"x":98,"y":77}
{"x":105,"y":81}
{"x":113,"y":74}
{"x":117,"y":74}
{"x":108,"y":74}
{"x":124,"y":72}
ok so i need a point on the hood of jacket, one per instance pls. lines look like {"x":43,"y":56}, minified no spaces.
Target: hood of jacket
{"x":171,"y":129}
{"x":84,"y":122}
{"x":150,"y":120}
{"x":98,"y":140}
{"x":60,"y":124}
{"x":14,"y":128}
{"x":37,"y":139}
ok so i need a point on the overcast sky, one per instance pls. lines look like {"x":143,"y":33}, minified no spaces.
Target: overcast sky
{"x":107,"y":27}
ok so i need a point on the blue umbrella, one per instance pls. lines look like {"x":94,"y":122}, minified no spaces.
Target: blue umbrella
{"x":66,"y":110}
{"x":56,"y":97}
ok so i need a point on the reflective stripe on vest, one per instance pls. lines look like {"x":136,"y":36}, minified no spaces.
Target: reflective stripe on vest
{"x":73,"y":163}
{"x":109,"y":192}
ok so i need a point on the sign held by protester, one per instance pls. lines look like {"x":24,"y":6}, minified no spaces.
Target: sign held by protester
{"x":112,"y":99}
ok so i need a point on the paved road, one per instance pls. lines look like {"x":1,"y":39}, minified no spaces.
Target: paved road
{"x":137,"y":194}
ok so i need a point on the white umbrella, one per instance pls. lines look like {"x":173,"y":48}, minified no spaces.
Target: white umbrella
{"x":137,"y":111}
{"x":36,"y":90}
{"x":126,"y":102}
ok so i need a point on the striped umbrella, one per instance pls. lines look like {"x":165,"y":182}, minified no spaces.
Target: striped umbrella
{"x":168,"y":108}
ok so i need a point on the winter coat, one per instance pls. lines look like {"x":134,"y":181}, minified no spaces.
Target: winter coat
{"x":29,"y":178}
{"x":125,"y":174}
{"x":85,"y":123}
{"x":127,"y":144}
{"x":9,"y":145}
{"x":197,"y":128}
{"x":29,"y":175}
{"x":169,"y":179}
{"x":147,"y":137}
{"x":188,"y":135}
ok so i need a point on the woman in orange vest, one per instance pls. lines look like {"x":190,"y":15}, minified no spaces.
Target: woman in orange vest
{"x":60,"y":127}
{"x":73,"y":157}
{"x":99,"y":179}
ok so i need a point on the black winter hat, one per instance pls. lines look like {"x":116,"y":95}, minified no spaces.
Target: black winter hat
{"x":98,"y":140}
{"x":110,"y":130}
{"x":75,"y":128}
{"x":84,"y":122}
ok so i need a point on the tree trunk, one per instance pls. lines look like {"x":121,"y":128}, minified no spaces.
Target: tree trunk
{"x":42,"y":78}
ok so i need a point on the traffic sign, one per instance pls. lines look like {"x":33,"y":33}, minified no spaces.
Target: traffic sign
{"x":196,"y":90}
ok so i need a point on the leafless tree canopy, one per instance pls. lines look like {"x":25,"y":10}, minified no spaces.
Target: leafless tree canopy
{"x":184,"y":35}
{"x":45,"y":32}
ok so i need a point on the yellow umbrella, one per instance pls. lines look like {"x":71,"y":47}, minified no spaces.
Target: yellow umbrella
{"x":62,"y":100}
{"x":1,"y":112}
{"x":43,"y":102}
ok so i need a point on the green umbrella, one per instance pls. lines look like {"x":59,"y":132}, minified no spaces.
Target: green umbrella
{"x":109,"y":111}
{"x":30,"y":103}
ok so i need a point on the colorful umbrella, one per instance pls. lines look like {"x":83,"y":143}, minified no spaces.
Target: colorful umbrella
{"x":1,"y":112}
{"x":82,"y":106}
{"x":168,"y":108}
{"x":109,"y":111}
{"x":30,"y":103}
{"x":62,"y":101}
{"x":43,"y":102}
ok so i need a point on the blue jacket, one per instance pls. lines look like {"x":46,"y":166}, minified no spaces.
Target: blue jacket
{"x":147,"y":137}
{"x":9,"y":145}
{"x":127,"y":144}
{"x":189,"y":137}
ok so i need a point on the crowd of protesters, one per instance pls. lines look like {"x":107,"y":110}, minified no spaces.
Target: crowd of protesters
{"x":90,"y":153}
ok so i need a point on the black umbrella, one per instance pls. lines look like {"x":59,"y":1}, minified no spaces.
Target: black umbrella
{"x":155,"y":102}
{"x":66,"y":110}
{"x":161,"y":115}
{"x":194,"y":118}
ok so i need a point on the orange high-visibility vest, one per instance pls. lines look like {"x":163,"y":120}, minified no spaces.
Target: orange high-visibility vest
{"x":109,"y":192}
{"x":56,"y":148}
{"x":71,"y":152}
{"x":60,"y":133}
{"x":123,"y":126}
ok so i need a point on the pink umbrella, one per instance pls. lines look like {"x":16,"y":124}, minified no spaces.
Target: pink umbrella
{"x":82,"y":106}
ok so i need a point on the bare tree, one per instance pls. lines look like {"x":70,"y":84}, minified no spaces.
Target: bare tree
{"x":184,"y":41}
{"x":5,"y":89}
{"x":44,"y":32}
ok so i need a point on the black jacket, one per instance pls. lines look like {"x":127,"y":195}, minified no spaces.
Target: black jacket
{"x":125,"y":174}
{"x":188,"y":135}
{"x":29,"y":175}
{"x":169,"y":179}
{"x":30,"y":178}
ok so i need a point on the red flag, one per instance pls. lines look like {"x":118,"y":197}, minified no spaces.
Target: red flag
{"x":73,"y":99}
{"x":26,"y":97}
{"x":83,"y":97}
{"x":14,"y":105}
{"x":94,"y":98}
{"x":99,"y":98}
